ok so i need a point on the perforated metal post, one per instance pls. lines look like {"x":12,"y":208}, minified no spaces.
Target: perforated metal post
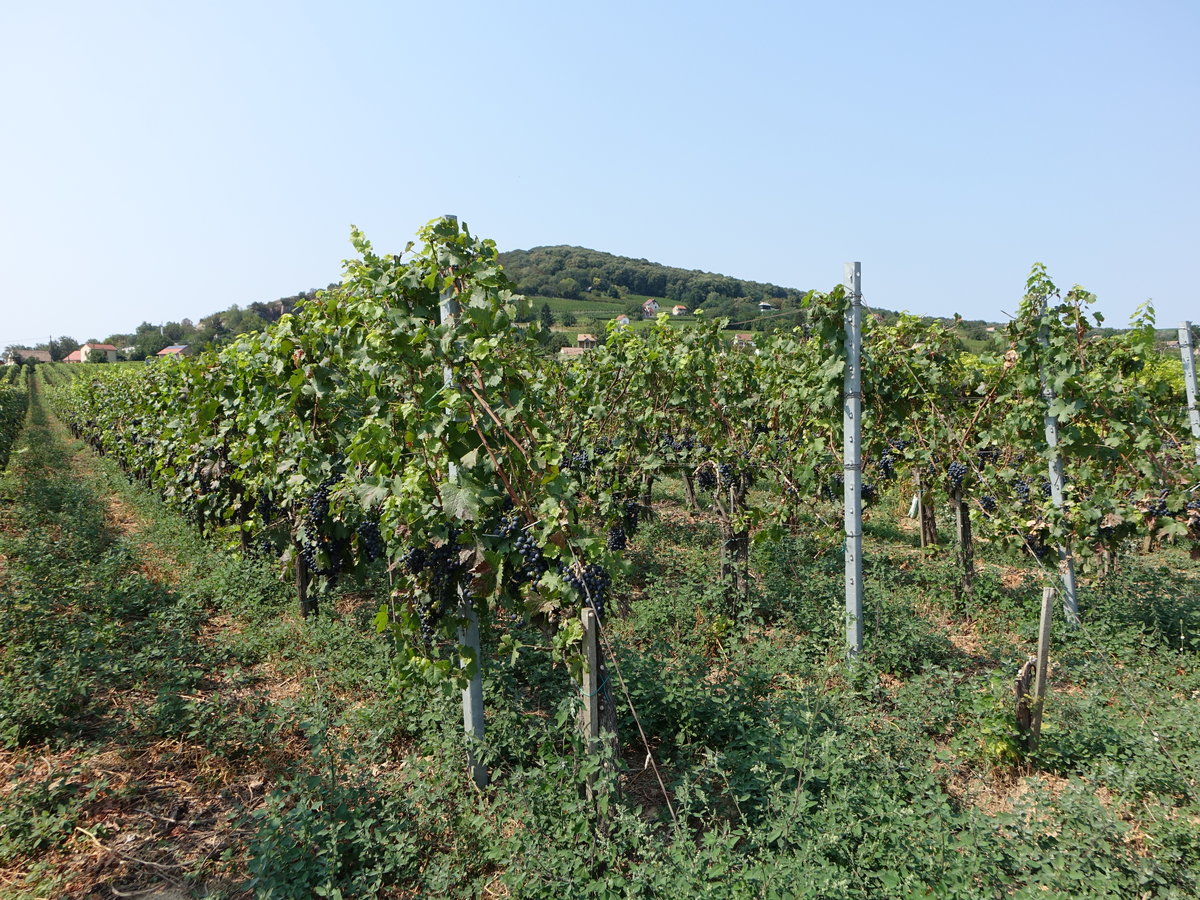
{"x":468,"y":635}
{"x":1187,"y":351}
{"x":1066,"y":563}
{"x":852,"y":459}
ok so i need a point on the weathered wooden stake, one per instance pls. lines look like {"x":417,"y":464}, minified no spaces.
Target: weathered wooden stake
{"x":966,"y":541}
{"x":590,"y":686}
{"x":1187,"y":351}
{"x":308,"y":603}
{"x":1043,"y":668}
{"x":852,"y":459}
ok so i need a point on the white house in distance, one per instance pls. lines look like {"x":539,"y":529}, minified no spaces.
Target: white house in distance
{"x":175,"y":351}
{"x":679,"y":310}
{"x":650,"y":308}
{"x":621,"y":320}
{"x":766,"y":307}
{"x":109,"y":351}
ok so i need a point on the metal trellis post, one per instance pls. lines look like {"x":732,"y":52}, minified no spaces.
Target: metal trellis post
{"x":468,"y":635}
{"x":1066,"y":563}
{"x":1187,"y":351}
{"x":852,"y":459}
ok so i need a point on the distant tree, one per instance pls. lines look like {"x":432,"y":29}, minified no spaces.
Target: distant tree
{"x":62,"y":348}
{"x":567,"y":318}
{"x":545,"y":316}
{"x":97,"y":356}
{"x":569,"y":288}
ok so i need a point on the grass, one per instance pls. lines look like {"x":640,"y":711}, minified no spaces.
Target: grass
{"x":168,"y":721}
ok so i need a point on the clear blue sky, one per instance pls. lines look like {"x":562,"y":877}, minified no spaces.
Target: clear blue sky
{"x":162,"y":160}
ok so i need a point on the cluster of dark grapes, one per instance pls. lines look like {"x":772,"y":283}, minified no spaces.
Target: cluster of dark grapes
{"x":725,"y":474}
{"x":579,"y":461}
{"x":1021,"y":486}
{"x":315,"y":543}
{"x":834,"y":488}
{"x":334,"y":550}
{"x":616,"y":538}
{"x":444,"y":571}
{"x":369,"y":538}
{"x":1047,"y":488}
{"x":679,"y":444}
{"x":706,"y":478}
{"x":631,"y":513}
{"x":264,"y":506}
{"x":988,"y":503}
{"x":509,"y":525}
{"x":887,"y":464}
{"x":869,"y":494}
{"x":1035,"y":544}
{"x":1158,"y":508}
{"x":955,"y":473}
{"x":988,"y":456}
{"x":533,"y":563}
{"x":317,"y":504}
{"x":592,"y":583}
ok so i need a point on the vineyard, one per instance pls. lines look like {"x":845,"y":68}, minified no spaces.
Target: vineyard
{"x":387,"y":600}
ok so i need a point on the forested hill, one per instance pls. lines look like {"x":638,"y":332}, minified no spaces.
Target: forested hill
{"x":579,"y":274}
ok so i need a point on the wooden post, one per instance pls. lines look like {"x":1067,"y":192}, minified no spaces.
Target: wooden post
{"x":1043,"y":667}
{"x":852,"y":459}
{"x":1187,"y":351}
{"x":308,"y":603}
{"x":966,"y":541}
{"x":689,"y":489}
{"x":590,"y":686}
{"x":468,"y":634}
{"x":926,"y":516}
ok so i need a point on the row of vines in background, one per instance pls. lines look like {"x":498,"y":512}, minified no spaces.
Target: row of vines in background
{"x":14,"y":401}
{"x":377,"y":423}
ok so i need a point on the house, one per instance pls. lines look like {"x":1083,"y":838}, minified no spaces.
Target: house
{"x":109,"y":351}
{"x":74,"y":356}
{"x":571,"y":352}
{"x":650,"y":308}
{"x":621,"y":320}
{"x":20,"y":354}
{"x":767,"y":307}
{"x":743,"y":342}
{"x":586,"y":341}
{"x":679,"y":310}
{"x":175,"y":351}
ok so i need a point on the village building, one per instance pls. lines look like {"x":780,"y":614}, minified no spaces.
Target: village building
{"x":20,"y":354}
{"x":109,"y":351}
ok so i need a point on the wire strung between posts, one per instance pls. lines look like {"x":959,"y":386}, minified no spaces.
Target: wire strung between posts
{"x":612,"y":659}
